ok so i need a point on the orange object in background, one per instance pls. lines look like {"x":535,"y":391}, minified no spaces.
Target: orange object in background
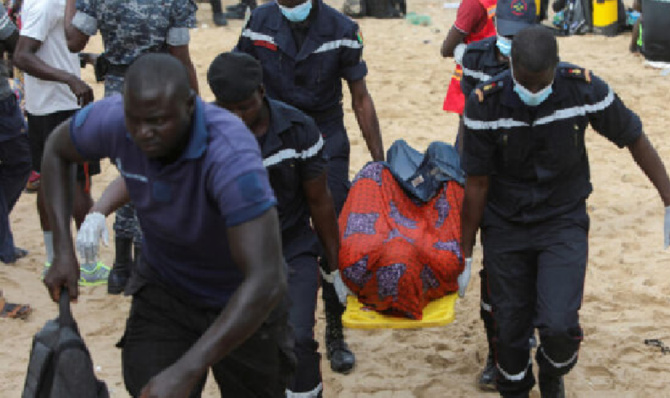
{"x":397,"y":254}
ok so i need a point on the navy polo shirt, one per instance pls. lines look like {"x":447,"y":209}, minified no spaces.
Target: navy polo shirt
{"x":292,"y":150}
{"x":535,"y":156}
{"x":184,"y":208}
{"x":309,"y":77}
{"x":480,"y":64}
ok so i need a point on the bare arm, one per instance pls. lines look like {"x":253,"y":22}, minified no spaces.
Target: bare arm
{"x":26,"y":59}
{"x":454,"y":38}
{"x":651,"y":164}
{"x":324,"y":218}
{"x":76,"y":39}
{"x":58,"y":174}
{"x":256,"y":249}
{"x":182,"y":53}
{"x":474,"y":202}
{"x":366,"y":115}
{"x":115,"y":196}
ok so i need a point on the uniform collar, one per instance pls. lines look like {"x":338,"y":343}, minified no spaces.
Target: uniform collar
{"x":315,"y":34}
{"x":197,"y":144}
{"x":279,"y":123}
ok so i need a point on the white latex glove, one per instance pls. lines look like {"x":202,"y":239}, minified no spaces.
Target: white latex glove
{"x":666,"y":227}
{"x":464,"y":278}
{"x":458,"y":53}
{"x":341,"y":289}
{"x":92,"y":230}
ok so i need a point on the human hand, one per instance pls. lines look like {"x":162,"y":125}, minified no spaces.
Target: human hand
{"x":64,"y":271}
{"x":334,"y":278}
{"x":81,"y":90}
{"x":464,"y":277}
{"x":170,"y":383}
{"x":666,"y":227}
{"x":92,"y":230}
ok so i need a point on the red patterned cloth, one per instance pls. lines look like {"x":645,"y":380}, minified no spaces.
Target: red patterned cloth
{"x":398,"y":254}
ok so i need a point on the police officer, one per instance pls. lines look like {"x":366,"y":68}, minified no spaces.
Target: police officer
{"x":306,"y":48}
{"x":292,"y":150}
{"x":481,"y":61}
{"x":129,"y":29}
{"x":528,"y":180}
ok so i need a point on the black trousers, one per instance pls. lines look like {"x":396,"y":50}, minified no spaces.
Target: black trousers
{"x":161,"y":328}
{"x":536,"y":280}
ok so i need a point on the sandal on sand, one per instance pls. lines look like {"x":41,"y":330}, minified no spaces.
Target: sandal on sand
{"x":13,"y":311}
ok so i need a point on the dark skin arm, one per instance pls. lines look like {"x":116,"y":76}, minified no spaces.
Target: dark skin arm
{"x":114,"y":196}
{"x":454,"y":38}
{"x":324,"y":218}
{"x":183,"y":54}
{"x":76,"y":39}
{"x":58,"y":183}
{"x":256,"y":249}
{"x":651,"y":164}
{"x":366,"y":115}
{"x":474,"y":202}
{"x":26,"y":59}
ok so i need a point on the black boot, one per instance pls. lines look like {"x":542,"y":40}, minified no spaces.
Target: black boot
{"x":486,"y":381}
{"x":342,"y":360}
{"x":551,"y":386}
{"x":118,"y":276}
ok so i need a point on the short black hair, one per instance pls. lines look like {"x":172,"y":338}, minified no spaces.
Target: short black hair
{"x":234,"y":77}
{"x":535,"y":49}
{"x":158,"y":70}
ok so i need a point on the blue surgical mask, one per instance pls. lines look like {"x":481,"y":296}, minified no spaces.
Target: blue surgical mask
{"x":504,"y":45}
{"x":529,"y":98}
{"x":298,"y":13}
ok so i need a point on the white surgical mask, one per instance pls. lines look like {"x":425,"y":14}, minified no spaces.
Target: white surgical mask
{"x":298,"y":13}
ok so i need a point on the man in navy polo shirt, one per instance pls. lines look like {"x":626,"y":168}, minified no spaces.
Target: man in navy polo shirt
{"x":209,"y":291}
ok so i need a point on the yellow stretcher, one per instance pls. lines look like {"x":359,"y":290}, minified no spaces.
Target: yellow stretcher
{"x":438,"y":312}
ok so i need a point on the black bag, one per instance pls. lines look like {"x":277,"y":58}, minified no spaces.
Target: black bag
{"x":384,"y":9}
{"x":655,"y":28}
{"x":60,"y":365}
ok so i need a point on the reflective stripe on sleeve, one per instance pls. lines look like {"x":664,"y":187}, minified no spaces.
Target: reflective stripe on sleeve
{"x":335,"y":44}
{"x":290,"y":153}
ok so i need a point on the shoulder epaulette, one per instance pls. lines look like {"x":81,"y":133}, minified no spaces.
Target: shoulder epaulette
{"x":488,"y":89}
{"x":576,"y":73}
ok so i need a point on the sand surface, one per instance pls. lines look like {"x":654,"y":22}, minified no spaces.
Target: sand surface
{"x":628,"y":279}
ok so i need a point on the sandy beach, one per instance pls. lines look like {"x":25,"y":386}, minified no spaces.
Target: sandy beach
{"x":627,"y":293}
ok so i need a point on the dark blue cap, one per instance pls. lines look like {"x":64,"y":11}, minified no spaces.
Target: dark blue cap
{"x":512,"y":16}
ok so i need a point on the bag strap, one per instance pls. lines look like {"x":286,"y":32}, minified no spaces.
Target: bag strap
{"x":65,"y":317}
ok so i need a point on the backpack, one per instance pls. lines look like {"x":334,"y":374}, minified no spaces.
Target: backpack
{"x":60,"y":365}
